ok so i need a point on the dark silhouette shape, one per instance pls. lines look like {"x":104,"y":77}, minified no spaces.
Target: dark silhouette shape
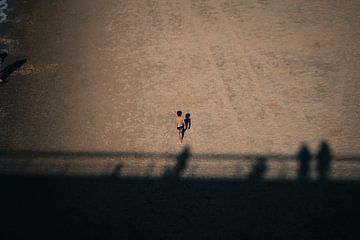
{"x":3,"y":55}
{"x":179,"y":113}
{"x":181,"y":163}
{"x":304,"y":156}
{"x":187,"y":121}
{"x":5,"y":73}
{"x":258,"y":169}
{"x":323,"y":158}
{"x":117,"y":170}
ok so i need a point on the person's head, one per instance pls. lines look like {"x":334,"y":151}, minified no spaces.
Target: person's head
{"x":187,"y":115}
{"x":179,"y":113}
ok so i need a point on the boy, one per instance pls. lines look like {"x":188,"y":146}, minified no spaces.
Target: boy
{"x":180,"y":125}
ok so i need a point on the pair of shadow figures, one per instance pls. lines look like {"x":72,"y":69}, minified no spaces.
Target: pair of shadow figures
{"x":323,"y":160}
{"x":9,"y":69}
{"x":304,"y":157}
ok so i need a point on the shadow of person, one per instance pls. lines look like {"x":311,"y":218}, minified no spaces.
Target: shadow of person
{"x":304,"y":157}
{"x":187,"y":121}
{"x":181,"y":163}
{"x":323,"y":159}
{"x":116,"y":172}
{"x":258,"y":170}
{"x":8,"y":70}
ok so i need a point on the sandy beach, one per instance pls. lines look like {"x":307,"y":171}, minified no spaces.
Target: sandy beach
{"x":88,"y":143}
{"x":261,"y":77}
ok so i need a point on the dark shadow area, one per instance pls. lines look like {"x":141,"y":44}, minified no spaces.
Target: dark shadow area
{"x":8,"y":70}
{"x":181,"y":162}
{"x":117,"y":170}
{"x":3,"y":55}
{"x":258,"y":170}
{"x":323,"y":158}
{"x":118,"y":207}
{"x":123,"y":208}
{"x":304,"y":157}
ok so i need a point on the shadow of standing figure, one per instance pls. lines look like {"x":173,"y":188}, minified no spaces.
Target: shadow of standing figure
{"x":323,"y":158}
{"x":258,"y":170}
{"x":181,"y":163}
{"x":116,"y":172}
{"x":304,"y":157}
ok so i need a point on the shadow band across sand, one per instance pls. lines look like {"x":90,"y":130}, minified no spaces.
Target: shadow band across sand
{"x":120,"y":207}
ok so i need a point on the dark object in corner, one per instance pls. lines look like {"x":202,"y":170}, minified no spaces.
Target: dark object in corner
{"x":8,"y":70}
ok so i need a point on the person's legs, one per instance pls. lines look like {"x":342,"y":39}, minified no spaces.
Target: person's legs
{"x":180,"y":138}
{"x":181,"y":134}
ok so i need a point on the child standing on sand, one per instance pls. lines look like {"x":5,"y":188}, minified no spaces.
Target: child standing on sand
{"x":180,"y":126}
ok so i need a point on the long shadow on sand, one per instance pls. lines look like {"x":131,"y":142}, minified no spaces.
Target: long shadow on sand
{"x":8,"y":70}
{"x":118,"y":207}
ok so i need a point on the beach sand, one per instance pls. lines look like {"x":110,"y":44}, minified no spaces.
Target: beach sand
{"x":258,"y":77}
